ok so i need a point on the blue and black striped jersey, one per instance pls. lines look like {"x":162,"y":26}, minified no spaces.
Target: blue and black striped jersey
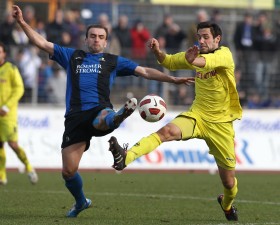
{"x":90,"y":76}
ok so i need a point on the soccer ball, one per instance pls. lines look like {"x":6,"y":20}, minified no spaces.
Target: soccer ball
{"x":152,"y":108}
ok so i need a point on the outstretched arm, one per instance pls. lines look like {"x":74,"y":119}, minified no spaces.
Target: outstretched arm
{"x":193,"y":58}
{"x":154,"y":45}
{"x":33,"y":36}
{"x":153,"y":74}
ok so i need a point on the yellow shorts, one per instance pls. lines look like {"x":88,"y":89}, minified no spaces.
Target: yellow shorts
{"x":219,"y":137}
{"x":8,"y":131}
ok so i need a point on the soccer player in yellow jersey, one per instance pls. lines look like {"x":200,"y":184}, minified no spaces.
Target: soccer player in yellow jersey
{"x":11,"y":90}
{"x":215,"y":107}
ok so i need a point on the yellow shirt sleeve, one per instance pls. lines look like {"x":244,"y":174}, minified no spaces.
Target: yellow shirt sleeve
{"x":176,"y":62}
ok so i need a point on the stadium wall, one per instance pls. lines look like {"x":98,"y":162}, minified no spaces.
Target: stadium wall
{"x":257,"y":143}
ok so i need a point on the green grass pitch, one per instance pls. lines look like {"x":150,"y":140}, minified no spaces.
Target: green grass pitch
{"x":139,"y":199}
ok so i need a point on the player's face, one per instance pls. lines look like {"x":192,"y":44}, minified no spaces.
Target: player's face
{"x":96,"y":40}
{"x":206,"y":41}
{"x":2,"y":55}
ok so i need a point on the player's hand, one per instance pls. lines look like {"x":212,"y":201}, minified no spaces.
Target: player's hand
{"x":153,"y":44}
{"x":2,"y":112}
{"x":17,"y":13}
{"x":185,"y":80}
{"x":192,"y":53}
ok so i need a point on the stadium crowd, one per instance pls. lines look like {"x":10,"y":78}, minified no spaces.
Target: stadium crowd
{"x":255,"y":42}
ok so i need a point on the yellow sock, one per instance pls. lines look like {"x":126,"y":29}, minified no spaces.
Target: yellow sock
{"x":3,"y":175}
{"x":23,"y":158}
{"x":143,"y":147}
{"x":229,"y":195}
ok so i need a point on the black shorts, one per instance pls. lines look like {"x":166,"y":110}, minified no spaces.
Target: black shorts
{"x":79,"y":128}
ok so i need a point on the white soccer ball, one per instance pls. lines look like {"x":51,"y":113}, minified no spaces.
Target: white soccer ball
{"x":152,"y":108}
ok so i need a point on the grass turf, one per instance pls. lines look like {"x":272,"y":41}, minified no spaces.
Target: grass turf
{"x":139,"y":199}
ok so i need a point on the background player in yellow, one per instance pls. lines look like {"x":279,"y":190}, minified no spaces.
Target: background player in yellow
{"x":215,"y":107}
{"x":11,"y":90}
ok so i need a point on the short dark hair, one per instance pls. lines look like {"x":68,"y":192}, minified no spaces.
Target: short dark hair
{"x":97,"y":26}
{"x":214,"y":28}
{"x":3,"y":46}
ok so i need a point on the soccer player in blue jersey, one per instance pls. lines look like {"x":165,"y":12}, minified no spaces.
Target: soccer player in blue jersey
{"x":89,"y":112}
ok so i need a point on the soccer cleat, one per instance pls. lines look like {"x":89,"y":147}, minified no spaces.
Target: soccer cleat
{"x":74,"y":211}
{"x":3,"y":181}
{"x":231,"y":214}
{"x":118,"y":153}
{"x":128,"y":108}
{"x":33,"y":177}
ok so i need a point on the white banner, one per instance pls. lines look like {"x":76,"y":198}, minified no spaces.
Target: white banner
{"x":257,"y":143}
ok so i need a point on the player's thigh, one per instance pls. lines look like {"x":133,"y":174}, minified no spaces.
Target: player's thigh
{"x":186,"y":125}
{"x":220,"y":140}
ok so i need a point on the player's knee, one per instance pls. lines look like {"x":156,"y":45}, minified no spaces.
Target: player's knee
{"x":14,"y":146}
{"x":168,"y":133}
{"x":99,"y":122}
{"x":68,"y":173}
{"x":228,"y":183}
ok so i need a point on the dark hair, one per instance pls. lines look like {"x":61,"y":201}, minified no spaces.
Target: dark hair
{"x":97,"y":26}
{"x":214,"y":28}
{"x":3,"y":46}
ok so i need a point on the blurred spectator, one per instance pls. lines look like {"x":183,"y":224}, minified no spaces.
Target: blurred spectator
{"x":163,"y":28}
{"x":103,"y":19}
{"x":240,"y":86}
{"x":243,"y":40}
{"x":29,"y":64}
{"x":217,"y":17}
{"x":276,"y":100}
{"x":201,"y":16}
{"x":71,"y":27}
{"x":66,"y":39}
{"x":55,"y":28}
{"x":19,"y":37}
{"x":173,"y":42}
{"x":174,"y":38}
{"x":6,"y":29}
{"x":139,"y":35}
{"x":40,"y":28}
{"x":277,"y":30}
{"x":277,"y":56}
{"x":255,"y":101}
{"x":81,"y":26}
{"x":160,"y":34}
{"x":113,"y":44}
{"x":29,"y":15}
{"x":264,"y":42}
{"x":122,"y":32}
{"x":183,"y":96}
{"x":56,"y":85}
{"x":44,"y":74}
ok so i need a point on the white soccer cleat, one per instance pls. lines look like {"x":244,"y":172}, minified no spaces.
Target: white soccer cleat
{"x":33,"y":177}
{"x":128,"y":108}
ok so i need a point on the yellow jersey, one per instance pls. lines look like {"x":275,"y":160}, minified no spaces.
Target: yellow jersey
{"x":216,"y":98}
{"x":11,"y":89}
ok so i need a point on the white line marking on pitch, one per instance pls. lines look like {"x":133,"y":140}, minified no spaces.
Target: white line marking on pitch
{"x":170,"y":197}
